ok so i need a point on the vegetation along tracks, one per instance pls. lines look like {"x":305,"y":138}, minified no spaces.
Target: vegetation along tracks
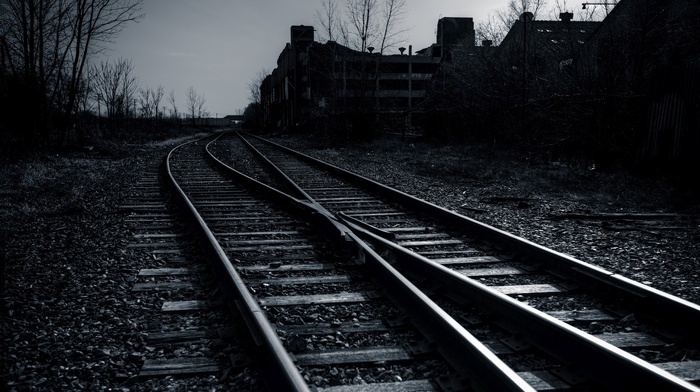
{"x":604,"y":329}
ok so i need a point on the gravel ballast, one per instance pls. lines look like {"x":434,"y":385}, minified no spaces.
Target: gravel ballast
{"x":570,"y":207}
{"x":65,"y":322}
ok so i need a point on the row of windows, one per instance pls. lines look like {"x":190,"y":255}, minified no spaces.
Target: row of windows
{"x":564,"y":30}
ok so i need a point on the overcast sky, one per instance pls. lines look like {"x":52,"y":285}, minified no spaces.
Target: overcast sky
{"x":218,"y":46}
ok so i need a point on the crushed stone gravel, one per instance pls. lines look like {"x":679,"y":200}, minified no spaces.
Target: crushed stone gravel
{"x":529,"y":197}
{"x":63,"y":315}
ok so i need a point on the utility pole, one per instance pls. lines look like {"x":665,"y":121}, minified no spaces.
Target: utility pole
{"x":525,"y":17}
{"x":410,"y":84}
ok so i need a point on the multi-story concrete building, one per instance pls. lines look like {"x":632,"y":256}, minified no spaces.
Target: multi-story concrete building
{"x":331,"y":88}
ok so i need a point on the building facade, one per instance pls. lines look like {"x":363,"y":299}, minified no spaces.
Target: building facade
{"x":327,"y":86}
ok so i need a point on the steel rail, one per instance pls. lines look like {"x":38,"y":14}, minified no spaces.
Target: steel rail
{"x":281,"y":174}
{"x":599,"y":360}
{"x":282,"y":372}
{"x":658,"y":307}
{"x":319,"y":215}
{"x":460,"y":348}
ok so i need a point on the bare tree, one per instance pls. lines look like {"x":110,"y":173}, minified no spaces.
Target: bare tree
{"x":110,"y":81}
{"x":150,"y":101}
{"x":393,"y":13}
{"x":255,"y":85}
{"x":113,"y":87}
{"x":498,"y":22}
{"x":47,"y":44}
{"x":156,"y":97}
{"x":171,"y":101}
{"x":129,"y":88}
{"x":191,"y":101}
{"x":491,"y":29}
{"x":515,"y":8}
{"x":361,"y":15}
{"x":365,"y":22}
{"x":145,"y":102}
{"x":195,"y":103}
{"x":201,"y":110}
{"x":329,"y":20}
{"x":95,"y":23}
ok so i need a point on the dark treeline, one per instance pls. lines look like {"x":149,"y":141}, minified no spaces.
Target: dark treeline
{"x":45,"y":48}
{"x":53,"y":92}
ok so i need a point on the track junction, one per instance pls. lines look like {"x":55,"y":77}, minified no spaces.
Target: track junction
{"x":347,"y":284}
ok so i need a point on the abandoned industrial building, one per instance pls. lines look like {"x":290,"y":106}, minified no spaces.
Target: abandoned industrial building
{"x":575,"y":80}
{"x":317,"y":86}
{"x":329,"y":85}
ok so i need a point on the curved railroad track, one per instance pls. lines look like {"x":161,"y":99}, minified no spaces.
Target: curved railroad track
{"x":190,"y":335}
{"x":581,"y":326}
{"x":300,"y":280}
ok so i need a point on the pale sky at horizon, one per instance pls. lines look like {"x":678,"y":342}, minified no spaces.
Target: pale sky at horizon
{"x":219,"y":46}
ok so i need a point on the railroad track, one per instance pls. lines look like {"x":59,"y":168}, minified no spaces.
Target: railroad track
{"x":334,"y":301}
{"x":189,"y":334}
{"x":558,"y":322}
{"x":315,"y":316}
